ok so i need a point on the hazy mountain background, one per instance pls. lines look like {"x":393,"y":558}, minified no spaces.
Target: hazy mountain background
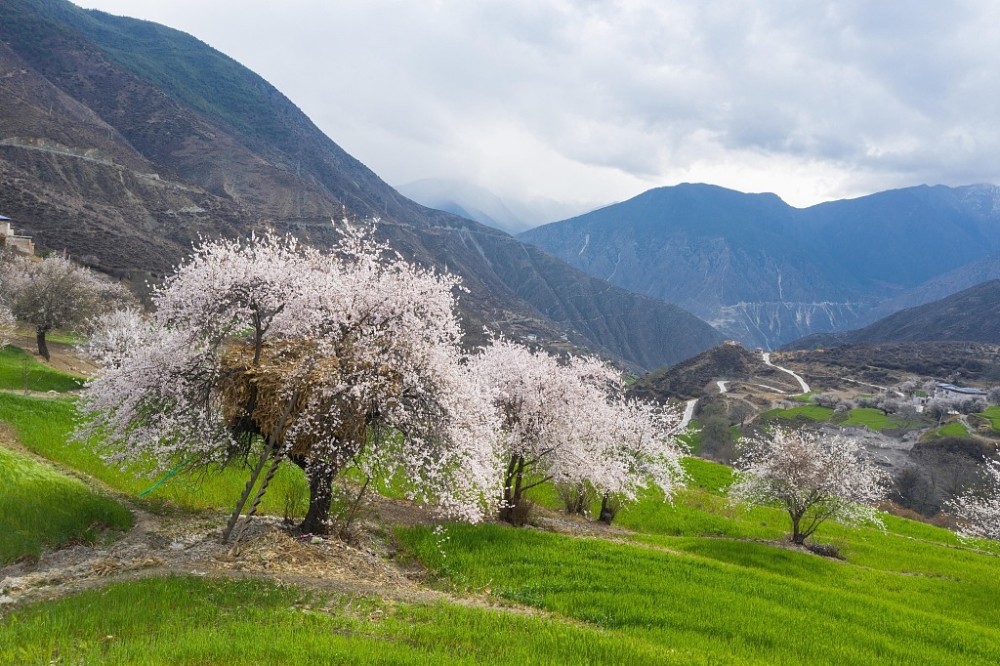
{"x":477,"y":203}
{"x":766,"y":273}
{"x":123,"y":141}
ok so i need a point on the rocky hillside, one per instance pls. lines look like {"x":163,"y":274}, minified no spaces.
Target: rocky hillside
{"x":123,"y":141}
{"x":767,"y":273}
{"x":970,"y":315}
{"x":696,"y":376}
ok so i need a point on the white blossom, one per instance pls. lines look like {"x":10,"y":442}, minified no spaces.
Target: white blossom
{"x":812,"y":477}
{"x":263,"y":339}
{"x":568,"y":423}
{"x":979,"y":512}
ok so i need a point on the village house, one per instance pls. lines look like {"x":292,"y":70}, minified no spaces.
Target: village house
{"x":22,"y":244}
{"x":951,"y":392}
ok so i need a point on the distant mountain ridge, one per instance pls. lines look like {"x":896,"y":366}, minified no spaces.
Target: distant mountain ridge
{"x":123,"y":141}
{"x":766,"y":273}
{"x":971,"y":315}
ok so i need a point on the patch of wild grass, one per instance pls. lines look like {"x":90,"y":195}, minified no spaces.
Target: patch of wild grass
{"x":45,"y":425}
{"x":725,"y":600}
{"x":40,"y":507}
{"x":204,"y":621}
{"x":20,"y":371}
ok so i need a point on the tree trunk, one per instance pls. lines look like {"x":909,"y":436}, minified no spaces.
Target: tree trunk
{"x":607,"y":513}
{"x":320,"y":495}
{"x":43,"y":348}
{"x":797,"y":536}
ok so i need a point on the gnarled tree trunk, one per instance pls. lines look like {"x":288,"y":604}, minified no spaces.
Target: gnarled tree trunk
{"x":43,"y":347}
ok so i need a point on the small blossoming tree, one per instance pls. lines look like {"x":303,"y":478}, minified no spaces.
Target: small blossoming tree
{"x":568,"y":423}
{"x":812,"y":477}
{"x":979,"y":510}
{"x":56,"y":293}
{"x":263,"y":350}
{"x":7,"y":324}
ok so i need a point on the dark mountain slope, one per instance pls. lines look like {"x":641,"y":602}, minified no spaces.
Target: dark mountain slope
{"x":971,"y":315}
{"x":691,"y":377}
{"x":123,"y":141}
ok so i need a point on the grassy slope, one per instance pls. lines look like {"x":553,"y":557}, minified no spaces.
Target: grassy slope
{"x":44,"y":425}
{"x":199,"y":621}
{"x":20,"y":371}
{"x":911,"y":594}
{"x":698,"y":581}
{"x":41,"y":507}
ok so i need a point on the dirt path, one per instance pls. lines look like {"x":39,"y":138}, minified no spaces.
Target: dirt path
{"x":802,"y":383}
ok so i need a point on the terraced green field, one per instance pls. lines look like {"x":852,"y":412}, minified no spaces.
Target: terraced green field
{"x":39,"y":507}
{"x":692,"y":581}
{"x":44,"y":426}
{"x":20,"y":371}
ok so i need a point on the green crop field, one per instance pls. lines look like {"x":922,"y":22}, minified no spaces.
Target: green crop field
{"x":20,"y":371}
{"x":41,"y":507}
{"x":694,"y":580}
{"x":805,"y":412}
{"x":955,"y":429}
{"x":44,"y":426}
{"x":873,"y":418}
{"x":199,"y":621}
{"x":993,"y":414}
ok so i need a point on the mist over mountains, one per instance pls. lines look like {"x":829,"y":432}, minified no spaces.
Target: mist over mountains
{"x":477,"y":203}
{"x":766,"y":273}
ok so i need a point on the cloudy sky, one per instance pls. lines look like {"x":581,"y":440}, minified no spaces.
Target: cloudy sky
{"x":594,"y":101}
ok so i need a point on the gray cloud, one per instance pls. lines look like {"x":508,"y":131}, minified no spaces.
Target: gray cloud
{"x":597,"y":101}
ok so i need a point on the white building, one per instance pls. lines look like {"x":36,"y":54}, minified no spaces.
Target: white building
{"x":22,"y":244}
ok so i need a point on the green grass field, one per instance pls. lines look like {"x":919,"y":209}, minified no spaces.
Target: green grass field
{"x":874,"y":419}
{"x":199,"y":621}
{"x":20,"y":371}
{"x":993,"y":414}
{"x":803,"y":413}
{"x":44,"y":426}
{"x":708,"y":580}
{"x":695,"y":580}
{"x":954,"y":429}
{"x":40,"y":507}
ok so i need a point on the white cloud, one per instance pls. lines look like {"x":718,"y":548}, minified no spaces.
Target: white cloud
{"x":598,"y":100}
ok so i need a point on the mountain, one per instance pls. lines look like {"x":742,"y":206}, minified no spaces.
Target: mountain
{"x":972,"y":315}
{"x":123,"y":141}
{"x":766,"y":273}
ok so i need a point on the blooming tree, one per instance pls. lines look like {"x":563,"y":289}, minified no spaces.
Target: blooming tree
{"x":56,"y":293}
{"x":979,"y":512}
{"x":264,"y":350}
{"x":567,"y":423}
{"x":812,"y":478}
{"x":7,"y":324}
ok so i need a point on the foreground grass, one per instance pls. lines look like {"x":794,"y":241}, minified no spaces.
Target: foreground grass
{"x":41,"y":508}
{"x":912,"y":593}
{"x":697,"y":581}
{"x":45,"y":425}
{"x":20,"y":371}
{"x":204,"y":621}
